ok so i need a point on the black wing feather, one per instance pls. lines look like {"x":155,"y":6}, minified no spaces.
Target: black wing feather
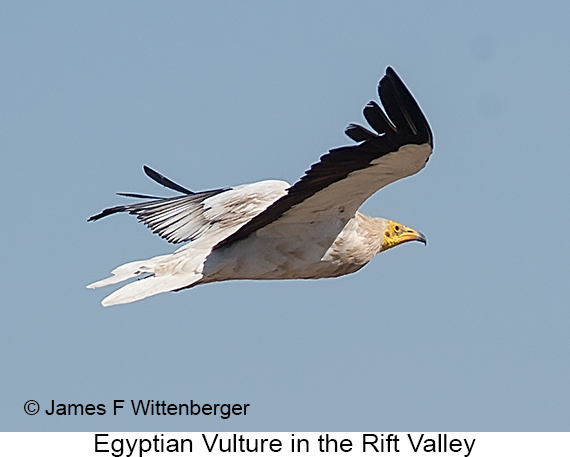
{"x":164,"y":181}
{"x":358,"y":133}
{"x":377,"y":119}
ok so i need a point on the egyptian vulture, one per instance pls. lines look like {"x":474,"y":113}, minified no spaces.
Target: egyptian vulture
{"x":272,"y":230}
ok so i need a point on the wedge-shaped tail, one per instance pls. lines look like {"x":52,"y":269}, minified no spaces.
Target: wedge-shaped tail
{"x":163,"y":273}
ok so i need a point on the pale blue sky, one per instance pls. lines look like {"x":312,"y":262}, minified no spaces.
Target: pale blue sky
{"x":468,"y":333}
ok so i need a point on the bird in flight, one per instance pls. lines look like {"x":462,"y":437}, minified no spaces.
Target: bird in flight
{"x":272,"y":230}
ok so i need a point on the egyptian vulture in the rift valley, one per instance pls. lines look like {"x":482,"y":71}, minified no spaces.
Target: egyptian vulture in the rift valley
{"x":272,"y":230}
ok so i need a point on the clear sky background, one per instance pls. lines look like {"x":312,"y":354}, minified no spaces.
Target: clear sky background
{"x":468,"y":333}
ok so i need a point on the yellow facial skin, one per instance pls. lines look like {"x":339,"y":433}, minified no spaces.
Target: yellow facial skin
{"x":396,"y":233}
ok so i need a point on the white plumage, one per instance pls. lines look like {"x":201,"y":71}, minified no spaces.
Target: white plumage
{"x":271,"y":230}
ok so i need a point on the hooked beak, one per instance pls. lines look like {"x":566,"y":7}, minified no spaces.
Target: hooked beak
{"x":413,"y":235}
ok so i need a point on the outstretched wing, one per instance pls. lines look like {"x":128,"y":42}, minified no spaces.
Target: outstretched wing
{"x":188,"y":217}
{"x":344,"y":178}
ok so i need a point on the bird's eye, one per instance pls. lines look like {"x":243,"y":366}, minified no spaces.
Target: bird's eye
{"x":397,"y":228}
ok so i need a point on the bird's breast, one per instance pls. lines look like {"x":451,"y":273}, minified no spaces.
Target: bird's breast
{"x":310,"y":254}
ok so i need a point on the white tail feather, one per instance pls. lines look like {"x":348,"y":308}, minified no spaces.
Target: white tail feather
{"x":150,"y":286}
{"x":129,"y":270}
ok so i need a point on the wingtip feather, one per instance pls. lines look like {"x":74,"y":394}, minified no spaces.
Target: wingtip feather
{"x":164,"y":181}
